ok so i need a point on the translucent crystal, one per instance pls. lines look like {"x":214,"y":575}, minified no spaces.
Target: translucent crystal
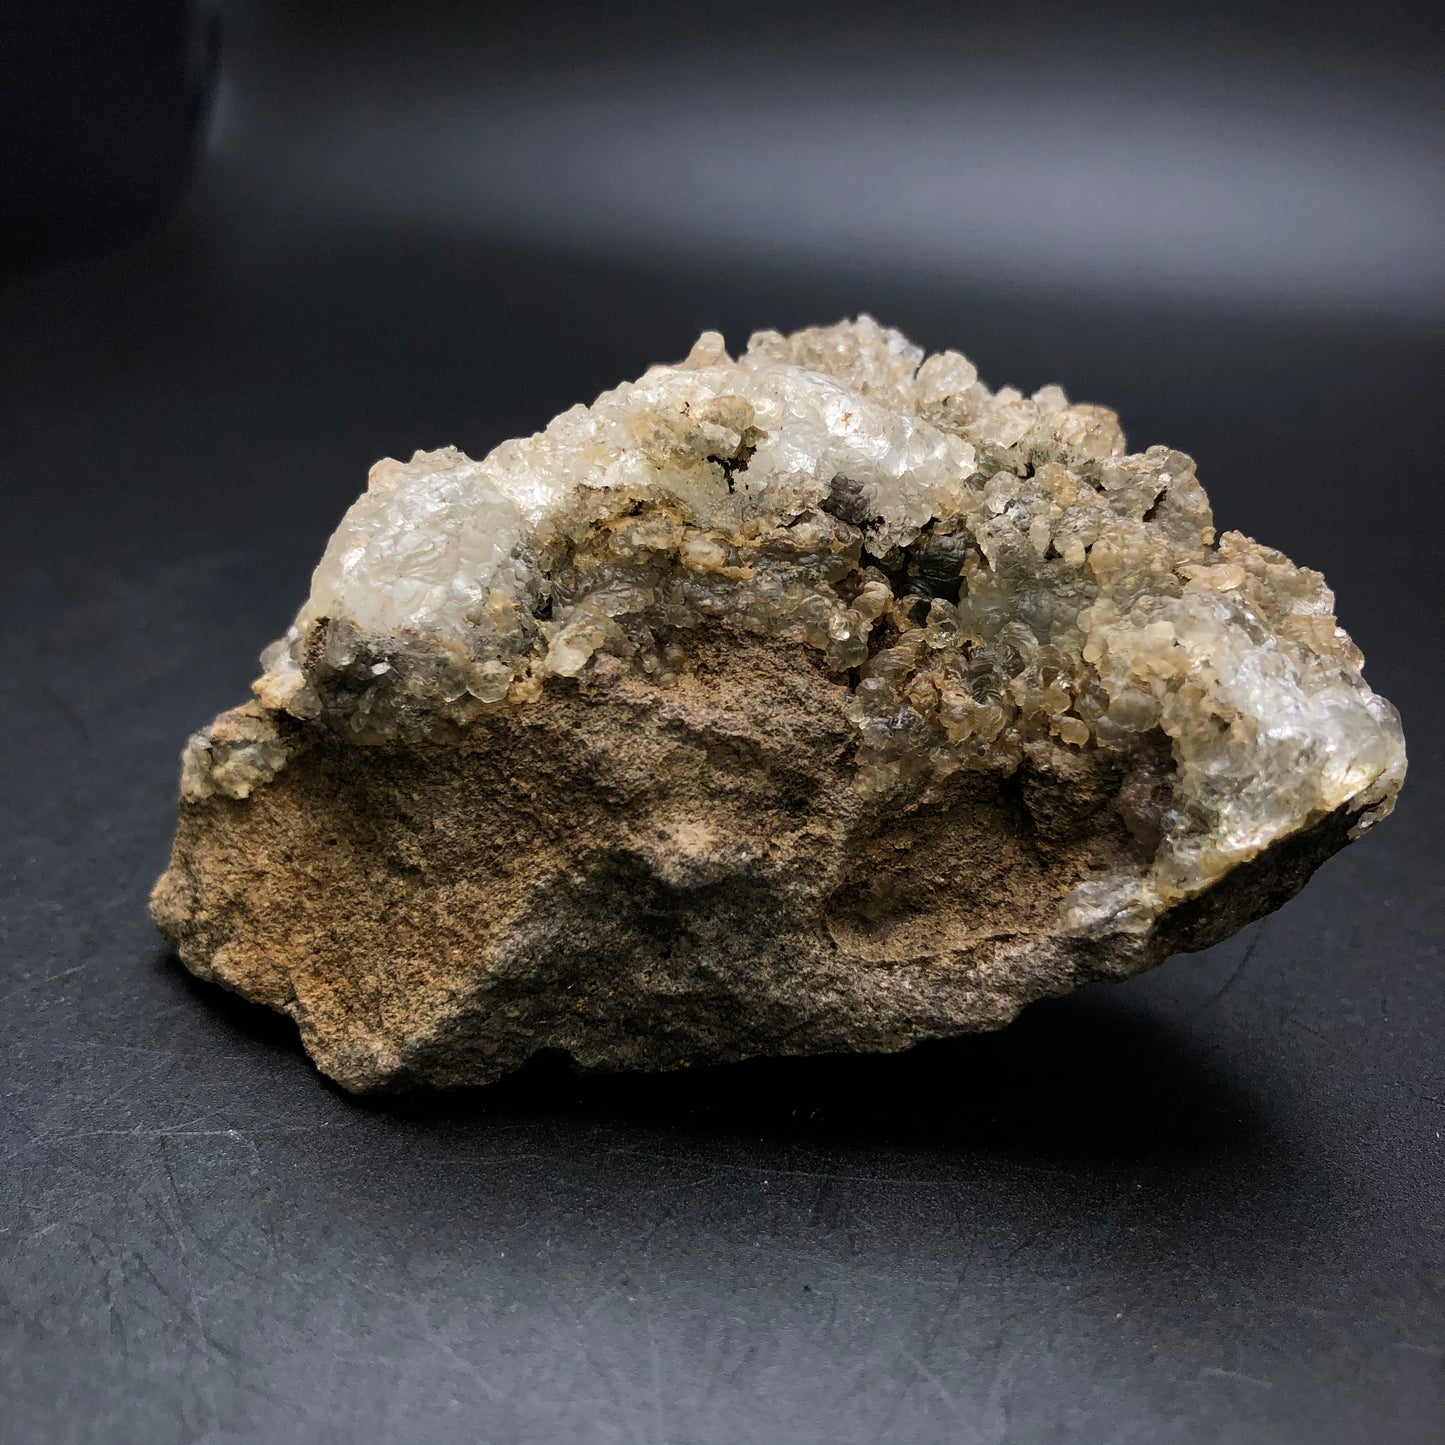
{"x":986,"y":574}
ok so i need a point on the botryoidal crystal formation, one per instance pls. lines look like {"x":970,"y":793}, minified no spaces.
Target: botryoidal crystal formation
{"x":823,"y":699}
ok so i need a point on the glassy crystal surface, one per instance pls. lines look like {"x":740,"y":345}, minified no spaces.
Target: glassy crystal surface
{"x":985,"y":573}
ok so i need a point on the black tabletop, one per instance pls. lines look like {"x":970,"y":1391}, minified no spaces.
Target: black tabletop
{"x":1203,"y":1205}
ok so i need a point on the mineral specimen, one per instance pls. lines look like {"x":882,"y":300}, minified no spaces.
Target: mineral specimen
{"x":818,"y":700}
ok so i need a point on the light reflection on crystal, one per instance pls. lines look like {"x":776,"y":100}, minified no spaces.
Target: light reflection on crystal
{"x":986,"y":573}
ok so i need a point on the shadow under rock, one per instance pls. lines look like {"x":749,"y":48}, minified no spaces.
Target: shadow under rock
{"x":253,"y":1023}
{"x":1078,"y":1077}
{"x":1087,"y":1075}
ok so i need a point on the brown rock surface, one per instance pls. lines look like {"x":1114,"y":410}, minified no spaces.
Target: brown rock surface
{"x":651,"y":877}
{"x":819,"y":699}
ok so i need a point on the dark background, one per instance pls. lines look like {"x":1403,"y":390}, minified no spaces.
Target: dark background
{"x":1204,"y":1205}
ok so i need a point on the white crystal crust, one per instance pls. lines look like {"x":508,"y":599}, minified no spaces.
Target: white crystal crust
{"x":986,"y":574}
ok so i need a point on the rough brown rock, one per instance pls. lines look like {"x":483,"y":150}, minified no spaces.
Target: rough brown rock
{"x":650,"y":877}
{"x":823,"y":699}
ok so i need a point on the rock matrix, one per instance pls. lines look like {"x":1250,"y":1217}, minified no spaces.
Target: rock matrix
{"x":819,"y":700}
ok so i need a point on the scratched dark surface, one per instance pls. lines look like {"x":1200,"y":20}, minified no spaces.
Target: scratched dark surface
{"x":1204,"y":1205}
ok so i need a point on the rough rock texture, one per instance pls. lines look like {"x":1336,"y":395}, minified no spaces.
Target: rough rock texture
{"x":819,"y":700}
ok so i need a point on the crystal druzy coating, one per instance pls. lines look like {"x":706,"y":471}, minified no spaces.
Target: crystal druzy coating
{"x":980,"y":569}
